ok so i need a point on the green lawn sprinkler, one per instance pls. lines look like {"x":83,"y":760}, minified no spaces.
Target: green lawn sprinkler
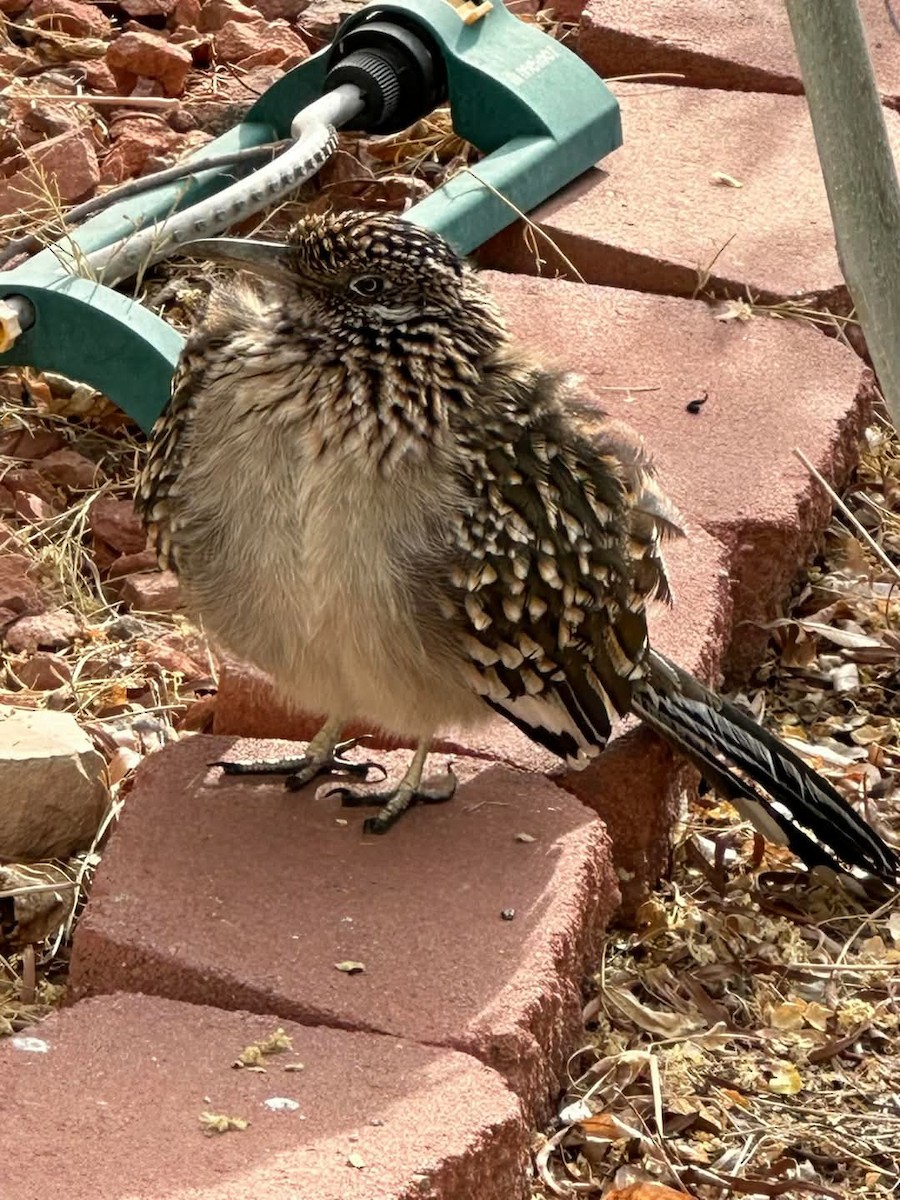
{"x":539,"y":115}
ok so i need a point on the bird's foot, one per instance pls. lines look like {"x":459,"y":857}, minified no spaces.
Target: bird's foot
{"x":395,"y":803}
{"x":303,"y":769}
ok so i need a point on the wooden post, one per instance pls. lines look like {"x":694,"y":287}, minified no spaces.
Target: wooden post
{"x":859,"y":173}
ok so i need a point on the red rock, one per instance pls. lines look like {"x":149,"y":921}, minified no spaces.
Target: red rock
{"x":287,"y":10}
{"x":7,"y":616}
{"x":131,"y":564}
{"x":104,"y":556}
{"x":72,"y":17}
{"x":568,"y":10}
{"x":18,"y":591}
{"x":421,"y":908}
{"x":320,"y":19}
{"x":98,"y":77}
{"x":154,"y":592}
{"x":286,"y":57}
{"x":14,"y":60}
{"x":148,"y":8}
{"x":116,"y":522}
{"x":12,"y":8}
{"x":69,"y":160}
{"x":43,"y":672}
{"x":33,"y":443}
{"x":248,"y":705}
{"x":259,"y":43}
{"x":134,"y":54}
{"x":198,"y":716}
{"x":747,"y":47}
{"x":51,"y":780}
{"x":29,"y":479}
{"x":134,"y":142}
{"x":187,"y":13}
{"x":35,"y":121}
{"x":216,"y":13}
{"x":71,"y":470}
{"x":31,"y":508}
{"x":215,"y":114}
{"x":375,"y":1116}
{"x":52,"y":630}
{"x":170,"y":658}
{"x":653,"y":218}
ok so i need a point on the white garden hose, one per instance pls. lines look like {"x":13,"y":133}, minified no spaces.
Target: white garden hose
{"x":315,"y":141}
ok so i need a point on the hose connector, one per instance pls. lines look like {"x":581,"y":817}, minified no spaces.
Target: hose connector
{"x":397,"y":68}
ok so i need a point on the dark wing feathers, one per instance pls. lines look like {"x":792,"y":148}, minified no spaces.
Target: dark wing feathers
{"x":561,"y":551}
{"x":782,"y":795}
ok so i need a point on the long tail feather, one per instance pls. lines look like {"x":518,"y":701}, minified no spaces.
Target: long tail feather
{"x":785,"y":798}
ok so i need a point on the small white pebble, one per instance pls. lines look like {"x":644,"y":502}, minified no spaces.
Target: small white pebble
{"x":31,"y":1045}
{"x":281,"y":1104}
{"x":580,"y":1110}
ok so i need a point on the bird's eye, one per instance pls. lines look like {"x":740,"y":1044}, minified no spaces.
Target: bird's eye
{"x":368,"y":286}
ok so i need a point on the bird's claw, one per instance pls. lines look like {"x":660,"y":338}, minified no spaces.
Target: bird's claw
{"x":394,"y":803}
{"x":304,"y":768}
{"x":340,"y":768}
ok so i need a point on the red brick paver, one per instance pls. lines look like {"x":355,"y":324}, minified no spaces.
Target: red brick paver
{"x":653,"y":215}
{"x":745,"y":45}
{"x":240,"y":894}
{"x":103,"y":1102}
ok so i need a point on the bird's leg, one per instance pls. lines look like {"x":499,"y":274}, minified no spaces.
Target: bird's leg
{"x":409,"y":791}
{"x":323,"y":756}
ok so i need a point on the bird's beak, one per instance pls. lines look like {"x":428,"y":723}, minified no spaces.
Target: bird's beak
{"x":268,"y":259}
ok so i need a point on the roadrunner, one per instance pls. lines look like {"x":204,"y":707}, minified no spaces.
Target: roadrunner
{"x":371,"y":493}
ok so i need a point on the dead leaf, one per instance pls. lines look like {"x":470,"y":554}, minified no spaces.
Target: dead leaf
{"x":220,"y":1123}
{"x":647,"y":1191}
{"x":786,"y":1080}
{"x":601,"y":1125}
{"x":850,"y":639}
{"x":276,"y":1043}
{"x":663,"y":1024}
{"x":789,"y":1015}
{"x":351,"y":968}
{"x":817,"y":1016}
{"x":732,"y":310}
{"x":122,"y":763}
{"x":726,"y":180}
